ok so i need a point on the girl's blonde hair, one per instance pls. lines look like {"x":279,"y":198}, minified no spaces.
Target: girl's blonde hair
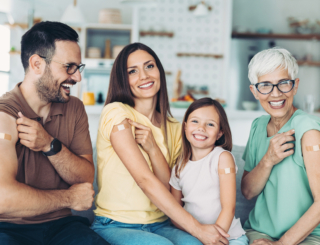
{"x":225,"y":140}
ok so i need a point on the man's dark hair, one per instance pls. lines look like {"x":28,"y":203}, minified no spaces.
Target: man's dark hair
{"x":41,"y":38}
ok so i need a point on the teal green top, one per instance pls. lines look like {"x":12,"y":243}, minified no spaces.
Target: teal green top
{"x":287,"y":194}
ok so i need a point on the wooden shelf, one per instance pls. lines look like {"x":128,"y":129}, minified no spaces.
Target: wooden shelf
{"x":15,"y":52}
{"x":155,"y":33}
{"x":276,"y":36}
{"x":216,"y":56}
{"x":21,"y":25}
{"x":308,"y":63}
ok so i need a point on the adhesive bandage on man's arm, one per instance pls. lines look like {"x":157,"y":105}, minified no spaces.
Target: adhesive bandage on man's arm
{"x":227,"y":171}
{"x":313,"y":148}
{"x":4,"y":136}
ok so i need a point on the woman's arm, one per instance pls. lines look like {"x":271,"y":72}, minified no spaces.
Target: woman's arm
{"x":228,"y":189}
{"x":178,"y":196}
{"x":253,"y":182}
{"x":127,"y":149}
{"x":310,"y":219}
{"x":145,"y":139}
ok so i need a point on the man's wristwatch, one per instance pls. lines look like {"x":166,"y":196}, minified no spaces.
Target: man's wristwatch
{"x":55,"y":147}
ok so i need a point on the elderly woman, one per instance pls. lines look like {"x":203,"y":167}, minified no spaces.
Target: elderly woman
{"x":282,"y":157}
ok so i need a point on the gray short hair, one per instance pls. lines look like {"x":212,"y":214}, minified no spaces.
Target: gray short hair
{"x":267,"y":61}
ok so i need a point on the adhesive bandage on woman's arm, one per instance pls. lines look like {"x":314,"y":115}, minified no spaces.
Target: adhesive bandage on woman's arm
{"x":119,"y":127}
{"x":313,"y":148}
{"x":227,"y":171}
{"x":4,"y":136}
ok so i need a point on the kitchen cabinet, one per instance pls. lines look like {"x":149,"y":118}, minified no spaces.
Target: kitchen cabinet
{"x":97,"y":72}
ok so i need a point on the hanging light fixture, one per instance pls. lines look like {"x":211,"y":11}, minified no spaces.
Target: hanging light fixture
{"x":201,"y":9}
{"x":73,"y":15}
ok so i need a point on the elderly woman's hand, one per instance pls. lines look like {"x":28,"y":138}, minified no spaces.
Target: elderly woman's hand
{"x":144,"y":137}
{"x":278,"y":146}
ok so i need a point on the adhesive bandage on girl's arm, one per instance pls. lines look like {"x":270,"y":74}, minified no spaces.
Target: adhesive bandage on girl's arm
{"x":4,"y":136}
{"x":313,"y":148}
{"x":227,"y":171}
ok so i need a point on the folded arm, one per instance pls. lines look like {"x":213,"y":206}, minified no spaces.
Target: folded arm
{"x":253,"y":182}
{"x":72,"y":168}
{"x":20,"y":200}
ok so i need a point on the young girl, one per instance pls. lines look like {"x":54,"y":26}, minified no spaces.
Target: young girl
{"x":204,"y":180}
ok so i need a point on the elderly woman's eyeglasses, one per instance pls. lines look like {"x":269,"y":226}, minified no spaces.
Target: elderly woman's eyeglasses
{"x":267,"y":87}
{"x":71,"y":68}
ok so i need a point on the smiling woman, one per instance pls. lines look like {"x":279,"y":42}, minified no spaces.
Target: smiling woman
{"x":278,"y":169}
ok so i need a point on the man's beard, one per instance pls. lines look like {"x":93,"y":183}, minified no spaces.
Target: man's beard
{"x":49,"y":90}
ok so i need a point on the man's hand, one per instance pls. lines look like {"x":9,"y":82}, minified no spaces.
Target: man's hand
{"x":32,"y":134}
{"x":81,"y":196}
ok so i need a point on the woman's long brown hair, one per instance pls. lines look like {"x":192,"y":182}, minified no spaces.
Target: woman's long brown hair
{"x":119,"y":89}
{"x":225,"y":140}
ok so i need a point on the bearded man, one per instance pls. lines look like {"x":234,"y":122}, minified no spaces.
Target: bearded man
{"x":46,"y":166}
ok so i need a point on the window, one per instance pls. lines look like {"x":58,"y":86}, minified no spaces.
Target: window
{"x":4,"y":58}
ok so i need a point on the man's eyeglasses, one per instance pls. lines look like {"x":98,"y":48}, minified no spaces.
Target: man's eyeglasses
{"x":71,"y":68}
{"x":267,"y":87}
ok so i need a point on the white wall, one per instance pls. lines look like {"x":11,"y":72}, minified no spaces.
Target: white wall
{"x":209,"y":34}
{"x":53,"y":10}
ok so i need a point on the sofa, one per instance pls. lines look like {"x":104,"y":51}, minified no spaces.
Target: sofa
{"x":243,"y":206}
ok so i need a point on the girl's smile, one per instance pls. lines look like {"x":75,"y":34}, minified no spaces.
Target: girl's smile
{"x":202,"y":129}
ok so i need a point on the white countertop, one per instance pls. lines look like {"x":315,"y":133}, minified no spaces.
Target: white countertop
{"x":178,"y":113}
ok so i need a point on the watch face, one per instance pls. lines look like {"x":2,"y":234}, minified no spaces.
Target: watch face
{"x":56,"y":145}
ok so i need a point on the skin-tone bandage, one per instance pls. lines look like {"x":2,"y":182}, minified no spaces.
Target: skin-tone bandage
{"x":5,"y":136}
{"x":119,"y":127}
{"x":227,"y":171}
{"x":313,"y":148}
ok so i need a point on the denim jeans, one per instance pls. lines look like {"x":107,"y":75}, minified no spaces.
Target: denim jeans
{"x":164,"y":233}
{"x":71,"y":230}
{"x":243,"y":240}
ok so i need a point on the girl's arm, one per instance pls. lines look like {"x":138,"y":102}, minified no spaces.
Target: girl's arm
{"x":178,"y":196}
{"x":227,"y":191}
{"x":127,"y":150}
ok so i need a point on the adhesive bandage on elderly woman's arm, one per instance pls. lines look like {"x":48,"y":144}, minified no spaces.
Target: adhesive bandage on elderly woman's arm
{"x":313,"y":148}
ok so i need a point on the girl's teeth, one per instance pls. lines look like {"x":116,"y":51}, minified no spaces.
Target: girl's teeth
{"x":145,"y":86}
{"x":199,"y":137}
{"x":276,"y":103}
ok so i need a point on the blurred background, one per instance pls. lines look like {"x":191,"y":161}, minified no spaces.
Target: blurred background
{"x":204,"y":46}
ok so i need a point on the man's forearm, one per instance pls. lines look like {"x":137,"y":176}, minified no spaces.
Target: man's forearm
{"x":20,"y":200}
{"x":72,"y":169}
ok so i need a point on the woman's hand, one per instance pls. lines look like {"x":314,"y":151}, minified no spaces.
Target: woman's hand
{"x":212,"y":235}
{"x":263,"y":241}
{"x":144,"y":137}
{"x":278,"y":146}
